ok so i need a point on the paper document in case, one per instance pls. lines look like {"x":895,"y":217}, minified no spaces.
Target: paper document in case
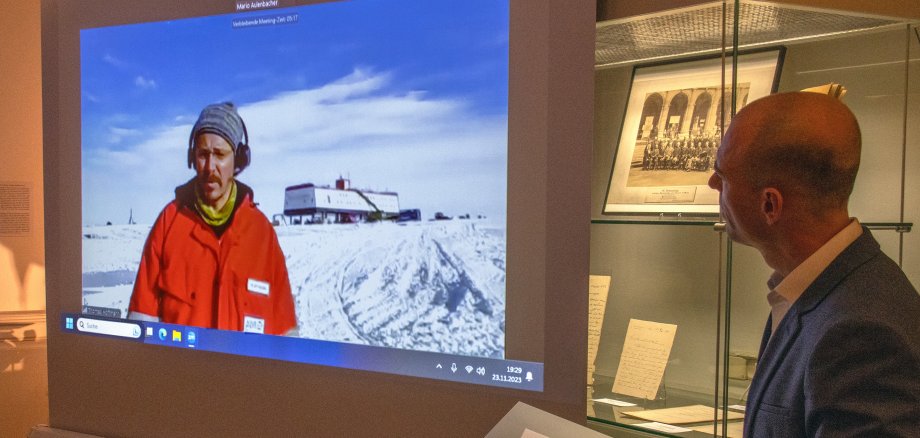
{"x":683,"y":414}
{"x":644,"y":358}
{"x":598,"y":290}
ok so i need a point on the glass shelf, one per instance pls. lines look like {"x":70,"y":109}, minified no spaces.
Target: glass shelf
{"x":656,"y":221}
{"x":901,"y":227}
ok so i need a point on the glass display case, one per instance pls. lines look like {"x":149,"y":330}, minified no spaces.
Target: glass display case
{"x":673,"y":266}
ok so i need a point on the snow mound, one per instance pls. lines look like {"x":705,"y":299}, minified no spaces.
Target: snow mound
{"x":431,"y":286}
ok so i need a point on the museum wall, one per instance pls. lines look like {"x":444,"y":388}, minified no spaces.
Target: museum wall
{"x":670,"y":274}
{"x":23,"y":351}
{"x":22,"y":245}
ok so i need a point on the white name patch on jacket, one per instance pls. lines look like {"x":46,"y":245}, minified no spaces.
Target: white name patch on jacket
{"x":257,"y":287}
{"x":253,"y":325}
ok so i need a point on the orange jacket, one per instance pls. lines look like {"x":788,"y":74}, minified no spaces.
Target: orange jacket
{"x":189,"y":276}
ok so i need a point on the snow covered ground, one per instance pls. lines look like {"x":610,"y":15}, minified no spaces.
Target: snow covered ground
{"x":432,"y":286}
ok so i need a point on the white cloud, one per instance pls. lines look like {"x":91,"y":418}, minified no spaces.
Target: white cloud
{"x":115,"y":62}
{"x":116,"y":134}
{"x":119,"y":118}
{"x":144,"y":83}
{"x":439,"y":154}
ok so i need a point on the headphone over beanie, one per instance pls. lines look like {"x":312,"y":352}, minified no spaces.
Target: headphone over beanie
{"x":222,"y":119}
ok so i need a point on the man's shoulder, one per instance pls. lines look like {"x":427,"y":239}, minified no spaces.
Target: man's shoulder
{"x":881,"y":277}
{"x":170,"y":211}
{"x":253,"y":213}
{"x":875,"y":292}
{"x":175,"y":215}
{"x":252,"y":217}
{"x":865,"y":268}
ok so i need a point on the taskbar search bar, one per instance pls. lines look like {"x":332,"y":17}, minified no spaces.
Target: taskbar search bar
{"x":131,"y":330}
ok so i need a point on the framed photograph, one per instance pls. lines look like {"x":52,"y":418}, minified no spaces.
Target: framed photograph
{"x":671,"y":131}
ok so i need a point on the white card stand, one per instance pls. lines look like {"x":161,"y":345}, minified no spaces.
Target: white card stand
{"x":527,"y":421}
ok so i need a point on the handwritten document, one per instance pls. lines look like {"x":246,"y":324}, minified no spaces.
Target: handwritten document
{"x":682,"y":415}
{"x":599,"y":285}
{"x":645,"y":356}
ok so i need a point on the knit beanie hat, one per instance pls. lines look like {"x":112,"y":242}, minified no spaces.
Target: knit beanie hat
{"x":223,"y":120}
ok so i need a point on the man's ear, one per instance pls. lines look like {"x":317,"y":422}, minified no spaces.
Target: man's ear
{"x":771,"y":205}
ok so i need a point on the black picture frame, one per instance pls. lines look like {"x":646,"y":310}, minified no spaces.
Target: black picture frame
{"x":671,"y":131}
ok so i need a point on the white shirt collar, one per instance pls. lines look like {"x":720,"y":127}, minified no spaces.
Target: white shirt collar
{"x":785,"y":291}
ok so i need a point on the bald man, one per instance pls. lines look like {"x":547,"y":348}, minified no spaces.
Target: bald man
{"x":840,"y":354}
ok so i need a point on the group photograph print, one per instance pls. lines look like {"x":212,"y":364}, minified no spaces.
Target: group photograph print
{"x":673,"y":124}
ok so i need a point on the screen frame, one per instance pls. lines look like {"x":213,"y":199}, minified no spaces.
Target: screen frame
{"x":116,"y":388}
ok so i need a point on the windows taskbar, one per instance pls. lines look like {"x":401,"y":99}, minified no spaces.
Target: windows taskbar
{"x":513,"y":374}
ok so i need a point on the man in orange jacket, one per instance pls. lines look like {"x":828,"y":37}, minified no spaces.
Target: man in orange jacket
{"x":212,"y":259}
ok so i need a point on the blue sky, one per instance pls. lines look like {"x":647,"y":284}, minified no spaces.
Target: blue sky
{"x":408,"y":96}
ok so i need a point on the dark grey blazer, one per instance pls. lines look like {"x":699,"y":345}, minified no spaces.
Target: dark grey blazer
{"x":845,"y":361}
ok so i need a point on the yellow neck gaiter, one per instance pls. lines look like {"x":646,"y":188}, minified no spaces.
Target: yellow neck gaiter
{"x":212,"y":216}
